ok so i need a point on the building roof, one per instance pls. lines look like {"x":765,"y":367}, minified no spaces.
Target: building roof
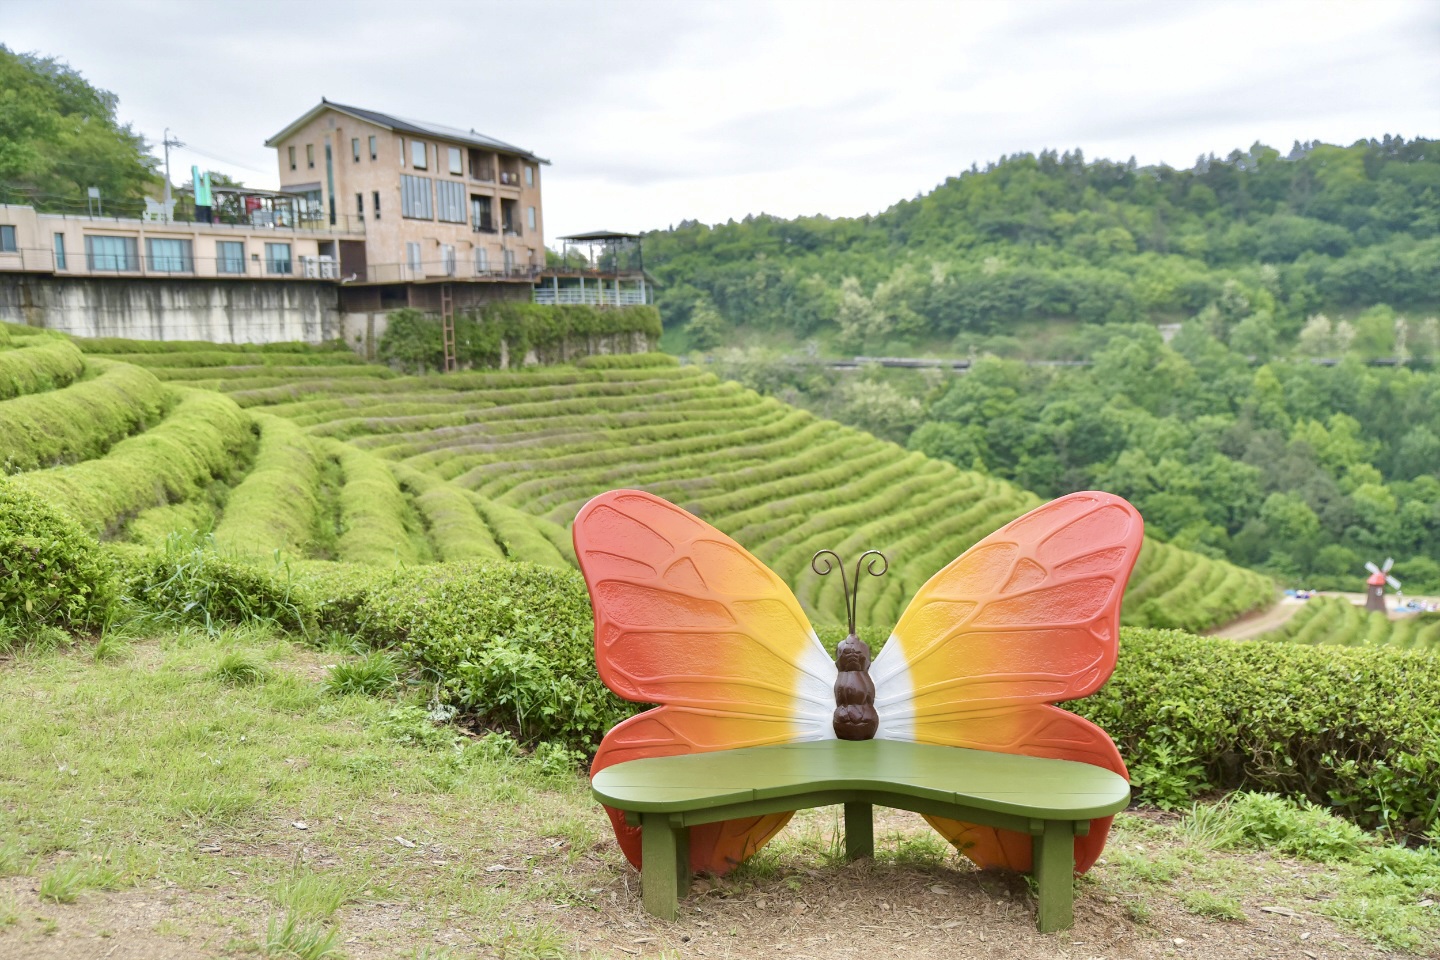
{"x":401,"y":125}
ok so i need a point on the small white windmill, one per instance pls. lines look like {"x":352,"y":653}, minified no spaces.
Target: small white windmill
{"x":1379,"y":576}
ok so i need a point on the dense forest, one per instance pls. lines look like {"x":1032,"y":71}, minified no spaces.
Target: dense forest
{"x":1258,"y":241}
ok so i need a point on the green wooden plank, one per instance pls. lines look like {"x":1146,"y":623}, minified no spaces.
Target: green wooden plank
{"x":1003,"y":783}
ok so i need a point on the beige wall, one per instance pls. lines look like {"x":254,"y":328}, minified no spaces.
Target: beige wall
{"x":36,"y":239}
{"x":386,"y":236}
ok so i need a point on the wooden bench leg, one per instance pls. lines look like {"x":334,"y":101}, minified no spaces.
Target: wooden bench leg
{"x":664,"y":864}
{"x":859,"y":831}
{"x":1054,"y":859}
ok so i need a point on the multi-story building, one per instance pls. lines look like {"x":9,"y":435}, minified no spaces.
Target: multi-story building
{"x":436,"y":202}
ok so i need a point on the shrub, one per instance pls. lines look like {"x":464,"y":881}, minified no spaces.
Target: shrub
{"x":81,"y":421}
{"x":510,"y":643}
{"x":45,"y":366}
{"x":204,"y":437}
{"x":626,"y":361}
{"x":51,"y":572}
{"x":275,"y":506}
{"x":1349,"y":728}
{"x":185,"y":582}
{"x":376,"y":519}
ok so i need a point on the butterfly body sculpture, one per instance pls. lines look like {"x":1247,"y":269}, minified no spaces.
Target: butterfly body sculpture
{"x":687,"y":619}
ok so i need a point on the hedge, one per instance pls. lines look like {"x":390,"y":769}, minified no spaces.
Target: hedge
{"x":276,"y":506}
{"x":46,"y":366}
{"x":376,"y":519}
{"x":205,"y":437}
{"x":51,"y":572}
{"x":81,"y":421}
{"x":1356,"y":729}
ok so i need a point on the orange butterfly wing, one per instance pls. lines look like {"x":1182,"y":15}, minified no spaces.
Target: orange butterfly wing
{"x":1028,"y":617}
{"x":688,"y":619}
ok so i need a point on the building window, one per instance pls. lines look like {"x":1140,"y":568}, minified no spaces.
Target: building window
{"x":310,"y":155}
{"x":415,"y":200}
{"x":530,"y":217}
{"x":447,"y":258}
{"x":360,"y":205}
{"x":59,"y":251}
{"x":229,"y":256}
{"x":355,"y":148}
{"x":509,"y":260}
{"x":530,"y":178}
{"x":372,"y":148}
{"x":112,"y":253}
{"x":412,"y":257}
{"x":169,"y":256}
{"x":482,"y":261}
{"x":7,"y":239}
{"x":457,"y":164}
{"x":292,"y":158}
{"x":450,"y":201}
{"x":481,"y":220}
{"x":277,"y":258}
{"x":375,"y":202}
{"x":417,"y":154}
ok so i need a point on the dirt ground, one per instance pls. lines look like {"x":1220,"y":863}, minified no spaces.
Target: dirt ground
{"x":863,"y":910}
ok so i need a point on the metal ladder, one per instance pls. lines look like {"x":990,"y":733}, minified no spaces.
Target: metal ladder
{"x":447,"y":325}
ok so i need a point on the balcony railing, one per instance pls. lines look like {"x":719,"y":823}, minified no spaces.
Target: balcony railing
{"x":441,"y":269}
{"x":603,"y":297}
{"x":255,"y":265}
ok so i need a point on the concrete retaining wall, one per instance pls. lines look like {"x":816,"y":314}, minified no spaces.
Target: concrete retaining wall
{"x":221,"y":311}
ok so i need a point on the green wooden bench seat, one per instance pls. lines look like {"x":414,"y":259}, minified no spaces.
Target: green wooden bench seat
{"x":1052,"y":800}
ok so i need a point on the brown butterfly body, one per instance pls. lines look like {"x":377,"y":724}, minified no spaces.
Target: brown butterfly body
{"x":855,"y":716}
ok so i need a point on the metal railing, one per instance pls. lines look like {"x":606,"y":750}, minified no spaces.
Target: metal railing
{"x":110,"y":264}
{"x":441,"y":269}
{"x":603,"y":297}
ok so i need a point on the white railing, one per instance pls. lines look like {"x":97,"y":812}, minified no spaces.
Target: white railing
{"x":607,"y":297}
{"x":319,"y":268}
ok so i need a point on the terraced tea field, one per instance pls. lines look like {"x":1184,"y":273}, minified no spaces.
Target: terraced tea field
{"x":1335,"y":620}
{"x":317,"y":454}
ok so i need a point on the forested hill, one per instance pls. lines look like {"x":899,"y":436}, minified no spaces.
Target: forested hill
{"x":1322,"y":228}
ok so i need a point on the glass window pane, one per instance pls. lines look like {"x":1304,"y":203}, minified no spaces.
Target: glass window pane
{"x":111,"y":253}
{"x":277,"y":258}
{"x":229,"y":256}
{"x":59,"y":251}
{"x":417,"y":154}
{"x":168,"y":256}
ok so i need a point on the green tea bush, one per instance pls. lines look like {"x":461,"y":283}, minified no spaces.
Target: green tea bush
{"x":1352,"y":729}
{"x":155,"y":527}
{"x":450,"y":518}
{"x":275,"y":507}
{"x":82,"y":420}
{"x":510,"y":643}
{"x":373,"y":512}
{"x":205,"y":436}
{"x":48,"y":365}
{"x":626,"y":361}
{"x":520,"y":535}
{"x":51,"y":572}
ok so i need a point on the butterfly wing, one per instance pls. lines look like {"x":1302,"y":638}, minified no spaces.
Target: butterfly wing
{"x":1028,"y":617}
{"x":686,"y":618}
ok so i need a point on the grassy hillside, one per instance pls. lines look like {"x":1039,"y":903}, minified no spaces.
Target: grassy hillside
{"x":386,"y":469}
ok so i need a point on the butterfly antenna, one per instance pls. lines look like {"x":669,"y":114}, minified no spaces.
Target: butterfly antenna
{"x":852,"y":592}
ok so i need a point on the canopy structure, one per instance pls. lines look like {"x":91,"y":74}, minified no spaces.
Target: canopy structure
{"x":618,"y":253}
{"x":601,"y":267}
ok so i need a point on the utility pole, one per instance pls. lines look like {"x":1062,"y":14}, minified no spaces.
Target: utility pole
{"x":168,"y":144}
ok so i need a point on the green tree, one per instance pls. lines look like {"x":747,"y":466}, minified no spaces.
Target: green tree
{"x":59,"y":135}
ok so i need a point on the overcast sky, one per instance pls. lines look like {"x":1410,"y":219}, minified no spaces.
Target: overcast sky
{"x":657,"y":112}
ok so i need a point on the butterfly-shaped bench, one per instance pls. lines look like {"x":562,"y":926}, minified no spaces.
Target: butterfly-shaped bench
{"x":754,"y":714}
